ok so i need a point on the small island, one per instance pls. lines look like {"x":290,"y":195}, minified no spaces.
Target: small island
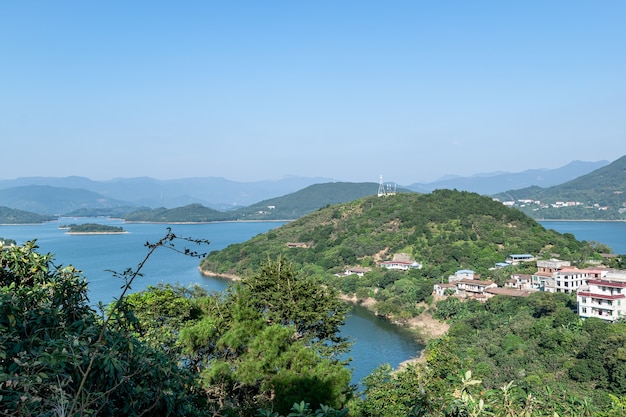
{"x":92,"y":229}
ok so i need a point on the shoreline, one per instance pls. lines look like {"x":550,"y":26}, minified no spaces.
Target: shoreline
{"x":231,"y":277}
{"x":582,"y":220}
{"x":97,"y":233}
{"x":280,"y":221}
{"x":207,"y":222}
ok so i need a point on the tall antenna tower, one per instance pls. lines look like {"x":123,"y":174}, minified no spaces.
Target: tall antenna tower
{"x":381,"y":187}
{"x":383,"y":190}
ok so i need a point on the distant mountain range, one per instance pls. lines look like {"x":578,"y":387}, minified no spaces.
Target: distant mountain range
{"x":62,"y":195}
{"x":214,"y":199}
{"x":217,"y":193}
{"x":598,"y":195}
{"x":497,"y":182}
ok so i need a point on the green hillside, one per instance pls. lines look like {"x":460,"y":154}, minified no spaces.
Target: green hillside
{"x":599,"y":195}
{"x":192,"y":213}
{"x":313,"y":197}
{"x":15,"y":216}
{"x":288,"y":207}
{"x":445,"y":230}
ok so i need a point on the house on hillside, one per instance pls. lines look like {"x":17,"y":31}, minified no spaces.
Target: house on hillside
{"x":544,"y":278}
{"x":520,"y":282}
{"x":515,"y":259}
{"x":354,"y":270}
{"x":570,"y":278}
{"x":603,"y":298}
{"x":461,"y":274}
{"x":473,"y":288}
{"x":555,"y":275}
{"x":400,"y":262}
{"x":443,"y":289}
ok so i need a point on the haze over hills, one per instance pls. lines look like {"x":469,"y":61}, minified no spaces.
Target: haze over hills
{"x":600,"y":194}
{"x":217,"y":193}
{"x":49,"y":200}
{"x":287,"y":198}
{"x":497,"y":182}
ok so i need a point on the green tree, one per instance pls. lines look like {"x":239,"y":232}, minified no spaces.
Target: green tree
{"x":269,"y":342}
{"x":58,"y":355}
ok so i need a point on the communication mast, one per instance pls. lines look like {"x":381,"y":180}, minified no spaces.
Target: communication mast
{"x":381,"y":187}
{"x":385,"y":190}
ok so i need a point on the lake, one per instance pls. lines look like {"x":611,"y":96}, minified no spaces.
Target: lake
{"x":612,"y":234}
{"x":376,"y":341}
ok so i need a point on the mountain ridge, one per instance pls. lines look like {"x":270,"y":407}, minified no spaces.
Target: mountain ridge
{"x":600,"y":195}
{"x":291,"y":195}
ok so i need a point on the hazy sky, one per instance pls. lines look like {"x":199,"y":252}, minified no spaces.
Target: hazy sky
{"x":350,"y":90}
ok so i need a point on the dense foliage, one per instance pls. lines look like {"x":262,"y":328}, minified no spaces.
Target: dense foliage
{"x":14,"y":216}
{"x":526,"y":356}
{"x":270,"y":342}
{"x":57,"y":356}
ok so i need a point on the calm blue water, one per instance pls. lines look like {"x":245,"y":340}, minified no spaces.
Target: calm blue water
{"x":612,"y":234}
{"x":376,"y":341}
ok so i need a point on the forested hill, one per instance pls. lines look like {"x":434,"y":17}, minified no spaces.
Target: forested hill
{"x":600,"y":194}
{"x":15,"y":216}
{"x":445,"y":230}
{"x":192,"y":213}
{"x":287,"y":207}
{"x":295,"y":205}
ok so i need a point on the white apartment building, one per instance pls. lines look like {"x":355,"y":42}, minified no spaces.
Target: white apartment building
{"x":569,"y":278}
{"x":603,"y":298}
{"x":545,"y":277}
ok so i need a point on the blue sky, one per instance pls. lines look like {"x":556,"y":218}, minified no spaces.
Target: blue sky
{"x":349,"y":90}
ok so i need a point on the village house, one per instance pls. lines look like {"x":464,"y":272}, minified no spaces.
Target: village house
{"x":463,"y":284}
{"x":569,"y":278}
{"x":473,"y":288}
{"x":354,"y":270}
{"x":443,"y":289}
{"x":604,"y":298}
{"x":544,"y":278}
{"x":515,"y":259}
{"x":558,"y":276}
{"x":461,"y":274}
{"x":520,"y":282}
{"x":400,"y":262}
